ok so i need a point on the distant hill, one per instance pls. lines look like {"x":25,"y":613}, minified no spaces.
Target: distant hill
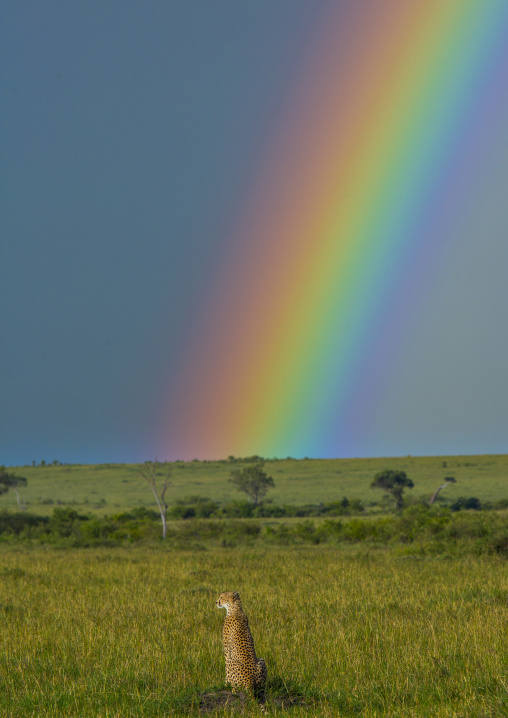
{"x":111,"y":488}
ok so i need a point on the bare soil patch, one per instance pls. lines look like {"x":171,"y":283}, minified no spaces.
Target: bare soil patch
{"x":211,"y":701}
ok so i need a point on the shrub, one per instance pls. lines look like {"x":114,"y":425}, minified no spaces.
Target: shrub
{"x":330,"y":529}
{"x":239,"y":510}
{"x":499,"y":543}
{"x":21,"y":522}
{"x":357,"y":530}
{"x":138,"y":514}
{"x":307,"y":532}
{"x":336,"y":508}
{"x":194,"y":506}
{"x":467,"y":526}
{"x":356,"y":506}
{"x":65,"y":522}
{"x":181,"y":512}
{"x":206,"y":509}
{"x":269,"y":511}
{"x":471,"y":503}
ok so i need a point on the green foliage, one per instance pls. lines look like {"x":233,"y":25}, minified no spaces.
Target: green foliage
{"x":4,"y":480}
{"x":197,"y":506}
{"x":267,"y":510}
{"x":22,"y":524}
{"x":9,"y":480}
{"x":499,"y":504}
{"x":65,"y":522}
{"x":137,"y":514}
{"x":471,"y":503}
{"x":253,"y":481}
{"x":418,"y":528}
{"x":239,"y":509}
{"x":394,"y":483}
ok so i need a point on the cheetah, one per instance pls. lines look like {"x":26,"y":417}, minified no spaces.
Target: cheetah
{"x":243,"y":668}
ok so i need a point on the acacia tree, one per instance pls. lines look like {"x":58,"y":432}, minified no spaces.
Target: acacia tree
{"x":11,"y":481}
{"x":394,"y":483}
{"x":448,"y":480}
{"x":149,"y":471}
{"x":253,"y":481}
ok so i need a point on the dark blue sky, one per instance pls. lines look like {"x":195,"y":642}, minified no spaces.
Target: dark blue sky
{"x":129,"y":133}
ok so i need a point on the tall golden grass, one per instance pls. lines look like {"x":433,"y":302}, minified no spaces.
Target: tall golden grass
{"x":121,"y":633}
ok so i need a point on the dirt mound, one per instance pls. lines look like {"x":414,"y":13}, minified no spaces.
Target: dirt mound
{"x":211,"y":701}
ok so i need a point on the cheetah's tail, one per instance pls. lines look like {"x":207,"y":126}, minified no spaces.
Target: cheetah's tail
{"x":261,"y":672}
{"x":260,"y":682}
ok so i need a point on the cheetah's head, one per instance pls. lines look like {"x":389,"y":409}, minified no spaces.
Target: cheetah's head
{"x":228,"y":600}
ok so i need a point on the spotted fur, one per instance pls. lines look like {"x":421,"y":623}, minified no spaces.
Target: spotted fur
{"x":243,"y":668}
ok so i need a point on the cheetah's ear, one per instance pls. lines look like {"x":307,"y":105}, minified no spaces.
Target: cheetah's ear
{"x":236,"y":596}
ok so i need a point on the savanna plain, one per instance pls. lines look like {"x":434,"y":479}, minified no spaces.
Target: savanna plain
{"x":347,"y":628}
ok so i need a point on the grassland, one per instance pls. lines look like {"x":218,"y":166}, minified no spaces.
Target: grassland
{"x":110,"y":488}
{"x":399,"y":615}
{"x":127,"y":633}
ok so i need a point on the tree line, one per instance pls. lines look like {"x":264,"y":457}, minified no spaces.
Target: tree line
{"x":253,"y":481}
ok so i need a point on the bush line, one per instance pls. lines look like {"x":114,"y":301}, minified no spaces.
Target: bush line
{"x":418,"y":528}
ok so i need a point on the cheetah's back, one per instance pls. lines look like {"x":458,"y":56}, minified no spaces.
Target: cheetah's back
{"x":243,"y":668}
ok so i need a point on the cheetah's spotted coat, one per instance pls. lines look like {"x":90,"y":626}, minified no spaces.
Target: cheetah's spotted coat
{"x":243,"y":668}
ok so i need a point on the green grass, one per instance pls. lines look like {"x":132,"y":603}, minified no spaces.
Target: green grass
{"x":405,"y":630}
{"x":111,"y":488}
{"x":127,"y":633}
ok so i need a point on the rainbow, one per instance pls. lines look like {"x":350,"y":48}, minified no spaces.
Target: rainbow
{"x":363,"y":181}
